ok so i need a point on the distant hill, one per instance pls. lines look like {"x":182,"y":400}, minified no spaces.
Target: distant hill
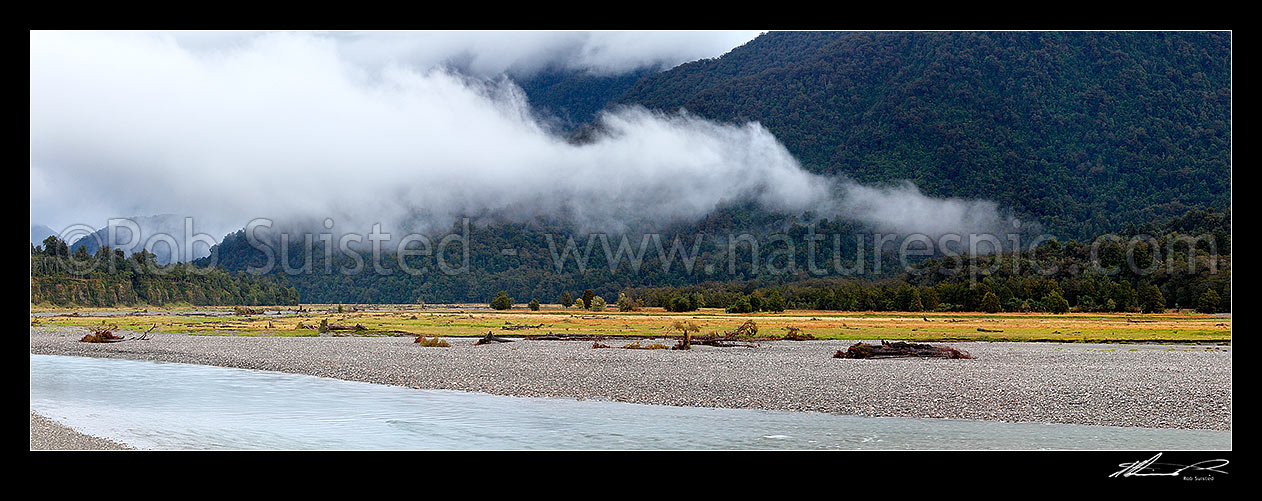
{"x":1086,"y":131}
{"x":162,"y":224}
{"x":39,"y":232}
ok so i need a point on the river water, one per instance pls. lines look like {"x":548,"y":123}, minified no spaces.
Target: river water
{"x":157,"y":405}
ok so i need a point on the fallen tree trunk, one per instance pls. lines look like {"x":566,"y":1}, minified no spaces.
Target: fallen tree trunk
{"x":492,"y":338}
{"x":106,"y":335}
{"x":551,"y":336}
{"x":520,"y":327}
{"x":721,"y":343}
{"x":899,"y":349}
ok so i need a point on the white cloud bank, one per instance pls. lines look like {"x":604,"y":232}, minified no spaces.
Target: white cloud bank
{"x":372,"y":128}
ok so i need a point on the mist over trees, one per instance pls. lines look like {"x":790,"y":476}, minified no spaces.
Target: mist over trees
{"x":1079,"y":133}
{"x":1085,"y":131}
{"x":111,"y":278}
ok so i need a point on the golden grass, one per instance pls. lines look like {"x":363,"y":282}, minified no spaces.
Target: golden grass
{"x":654,"y":322}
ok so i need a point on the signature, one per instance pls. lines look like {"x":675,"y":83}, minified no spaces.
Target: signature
{"x":1151,"y":468}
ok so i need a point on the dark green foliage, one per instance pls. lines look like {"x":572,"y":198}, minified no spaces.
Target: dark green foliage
{"x":588,"y":295}
{"x":990,"y":303}
{"x":741,"y":305}
{"x":534,"y":304}
{"x":566,"y":300}
{"x":908,"y":298}
{"x":1208,"y":302}
{"x":679,"y":304}
{"x":1056,"y":303}
{"x":774,"y":302}
{"x":572,"y":98}
{"x":625,"y":303}
{"x":1151,"y":300}
{"x":108,"y":278}
{"x":1085,"y":131}
{"x":914,"y":304}
{"x":501,"y":301}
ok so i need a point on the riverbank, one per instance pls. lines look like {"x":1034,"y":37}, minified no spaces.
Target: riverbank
{"x":1157,"y":386}
{"x":47,"y":434}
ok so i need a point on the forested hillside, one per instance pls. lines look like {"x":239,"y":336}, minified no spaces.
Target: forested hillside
{"x":1182,"y":257}
{"x":110,"y":278}
{"x":1084,"y":131}
{"x":571,"y":98}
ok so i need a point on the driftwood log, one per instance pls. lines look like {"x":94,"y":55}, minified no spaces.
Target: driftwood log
{"x":899,"y":349}
{"x":106,"y":335}
{"x":552,"y":336}
{"x":796,"y":334}
{"x":325,"y":326}
{"x":492,"y":338}
{"x":520,"y":327}
{"x":720,"y":342}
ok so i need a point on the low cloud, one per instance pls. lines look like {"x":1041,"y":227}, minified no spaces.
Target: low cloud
{"x":301,"y":127}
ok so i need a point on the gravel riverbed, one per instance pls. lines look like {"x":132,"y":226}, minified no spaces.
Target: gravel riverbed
{"x":47,"y":434}
{"x":1156,"y":386}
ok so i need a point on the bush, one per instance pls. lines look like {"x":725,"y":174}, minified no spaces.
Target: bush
{"x":434,"y":342}
{"x":774,"y":302}
{"x":1151,"y":300}
{"x":1056,"y":303}
{"x":990,"y":303}
{"x":598,"y":304}
{"x":1208,"y":302}
{"x":741,"y":305}
{"x":502,"y":301}
{"x":625,"y":303}
{"x":679,"y":304}
{"x":534,"y":304}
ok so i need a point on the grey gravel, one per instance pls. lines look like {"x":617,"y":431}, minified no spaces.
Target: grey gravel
{"x":47,"y":434}
{"x":1156,"y":386}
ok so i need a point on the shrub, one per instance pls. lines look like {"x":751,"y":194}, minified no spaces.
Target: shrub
{"x":598,"y":304}
{"x":625,"y":303}
{"x":990,"y":303}
{"x":1056,"y":303}
{"x":1151,"y":300}
{"x":678,"y":304}
{"x":741,"y":305}
{"x":534,"y":304}
{"x":1208,"y":302}
{"x":774,"y":302}
{"x":502,"y":301}
{"x":434,"y":342}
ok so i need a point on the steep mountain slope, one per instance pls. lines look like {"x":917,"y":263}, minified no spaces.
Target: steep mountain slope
{"x":39,"y":232}
{"x":569,"y":98}
{"x":1087,"y":132}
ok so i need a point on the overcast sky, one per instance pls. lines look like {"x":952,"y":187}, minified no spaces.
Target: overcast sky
{"x":130,"y":123}
{"x":376,"y":128}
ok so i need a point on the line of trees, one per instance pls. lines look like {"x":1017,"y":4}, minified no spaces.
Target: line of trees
{"x":111,"y":278}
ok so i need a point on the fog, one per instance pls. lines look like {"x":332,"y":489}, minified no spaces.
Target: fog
{"x":379,"y":128}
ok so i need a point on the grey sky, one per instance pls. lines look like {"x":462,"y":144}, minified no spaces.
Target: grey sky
{"x":371,"y":128}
